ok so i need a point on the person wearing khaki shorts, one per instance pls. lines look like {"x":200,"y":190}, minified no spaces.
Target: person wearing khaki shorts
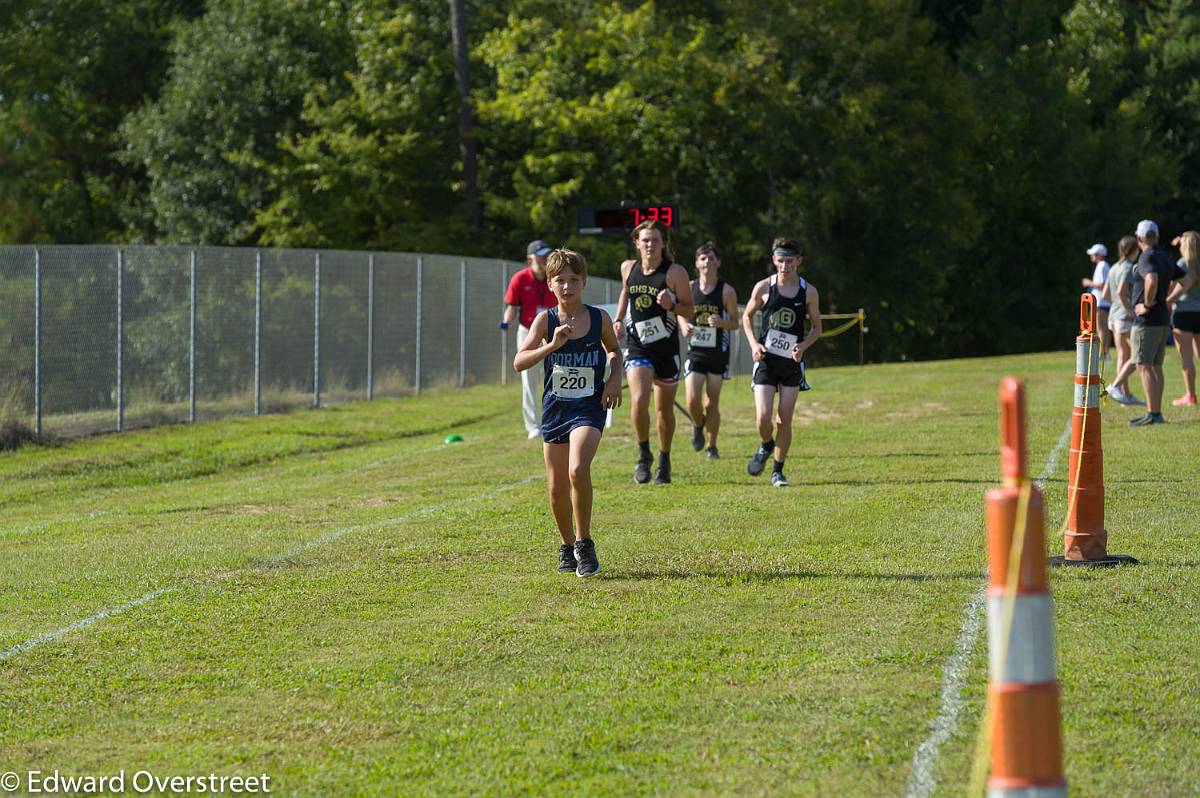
{"x":1151,"y":284}
{"x":1149,"y":345}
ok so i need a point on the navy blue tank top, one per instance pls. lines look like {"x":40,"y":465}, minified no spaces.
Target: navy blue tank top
{"x":573,"y":376}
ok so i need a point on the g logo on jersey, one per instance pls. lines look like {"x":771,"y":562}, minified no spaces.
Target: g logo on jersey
{"x":782,"y":319}
{"x":643,"y":302}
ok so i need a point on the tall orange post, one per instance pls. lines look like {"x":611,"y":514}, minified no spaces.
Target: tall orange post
{"x":1086,"y":540}
{"x":1026,"y":742}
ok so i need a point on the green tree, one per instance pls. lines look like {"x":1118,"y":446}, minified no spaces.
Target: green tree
{"x":237,"y":84}
{"x":1062,"y":162}
{"x":1170,"y":104}
{"x":762,"y":121}
{"x":373,"y":163}
{"x":69,"y":72}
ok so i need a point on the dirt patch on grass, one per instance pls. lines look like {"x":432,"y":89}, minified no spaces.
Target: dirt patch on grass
{"x":245,"y":509}
{"x":809,"y":414}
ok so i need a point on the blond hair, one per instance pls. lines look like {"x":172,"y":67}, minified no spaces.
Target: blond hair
{"x":561,"y":260}
{"x":1189,"y":245}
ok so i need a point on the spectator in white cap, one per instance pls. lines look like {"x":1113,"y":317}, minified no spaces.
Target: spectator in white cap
{"x":1099,"y":256}
{"x":1152,"y":279}
{"x":528,"y":295}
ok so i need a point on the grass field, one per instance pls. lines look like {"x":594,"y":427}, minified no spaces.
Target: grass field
{"x":340,"y":601}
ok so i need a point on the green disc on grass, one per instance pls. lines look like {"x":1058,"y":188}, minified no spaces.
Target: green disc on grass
{"x":453,"y":438}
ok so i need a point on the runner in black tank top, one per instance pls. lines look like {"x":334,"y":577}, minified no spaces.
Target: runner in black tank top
{"x":778,"y":348}
{"x":782,"y":328}
{"x":654,"y":292}
{"x":715,"y":315}
{"x":652,"y":331}
{"x":708,"y":346}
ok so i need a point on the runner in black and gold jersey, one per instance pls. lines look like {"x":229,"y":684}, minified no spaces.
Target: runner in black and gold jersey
{"x":715,"y":315}
{"x":784,"y":298}
{"x":654,"y":291}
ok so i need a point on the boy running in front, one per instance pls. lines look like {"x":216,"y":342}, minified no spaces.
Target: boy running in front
{"x":574,"y":342}
{"x":715,"y":314}
{"x":778,"y":351}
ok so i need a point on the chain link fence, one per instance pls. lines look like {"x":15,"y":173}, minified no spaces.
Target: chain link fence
{"x":98,"y":339}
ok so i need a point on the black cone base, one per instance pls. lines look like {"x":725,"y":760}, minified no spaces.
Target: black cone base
{"x":1108,"y":562}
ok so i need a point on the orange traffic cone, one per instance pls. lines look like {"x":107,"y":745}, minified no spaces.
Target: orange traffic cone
{"x":1026,"y":743}
{"x":1086,"y":539}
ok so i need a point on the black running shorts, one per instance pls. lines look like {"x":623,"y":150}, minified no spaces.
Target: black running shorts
{"x":780,"y":372}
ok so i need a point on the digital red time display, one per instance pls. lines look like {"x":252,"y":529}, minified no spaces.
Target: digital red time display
{"x":618,"y":218}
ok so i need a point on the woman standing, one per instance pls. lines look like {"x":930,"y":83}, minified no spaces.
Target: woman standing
{"x":1185,"y":323}
{"x":1120,"y":320}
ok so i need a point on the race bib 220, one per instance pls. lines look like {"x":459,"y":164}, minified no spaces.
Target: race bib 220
{"x":568,"y":382}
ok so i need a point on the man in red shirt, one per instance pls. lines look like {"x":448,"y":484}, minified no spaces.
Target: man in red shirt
{"x":528,"y":295}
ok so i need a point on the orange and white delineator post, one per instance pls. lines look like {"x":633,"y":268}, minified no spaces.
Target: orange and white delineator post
{"x":1086,"y":538}
{"x":1026,"y":742}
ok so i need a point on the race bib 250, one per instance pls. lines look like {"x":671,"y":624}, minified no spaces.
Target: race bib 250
{"x":780,"y":343}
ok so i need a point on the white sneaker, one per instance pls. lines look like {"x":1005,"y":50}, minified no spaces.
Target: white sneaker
{"x":1123,"y":398}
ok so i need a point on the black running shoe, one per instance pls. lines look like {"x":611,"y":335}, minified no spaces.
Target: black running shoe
{"x":641,"y":471}
{"x":1149,"y":418}
{"x":778,"y":480}
{"x":663,"y":475}
{"x":712,"y":453}
{"x":566,"y":559}
{"x":585,"y":553}
{"x":758,"y":462}
{"x":697,"y":438}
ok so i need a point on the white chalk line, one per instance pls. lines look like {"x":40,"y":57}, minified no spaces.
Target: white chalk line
{"x":921,"y":780}
{"x":58,"y":634}
{"x":324,"y":540}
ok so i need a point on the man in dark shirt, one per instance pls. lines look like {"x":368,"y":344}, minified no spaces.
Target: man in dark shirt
{"x":1149,"y":285}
